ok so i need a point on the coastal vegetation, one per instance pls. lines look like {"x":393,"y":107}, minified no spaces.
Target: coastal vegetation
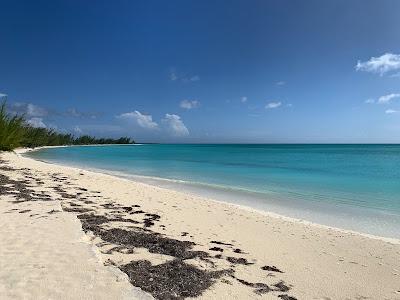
{"x":16,"y":132}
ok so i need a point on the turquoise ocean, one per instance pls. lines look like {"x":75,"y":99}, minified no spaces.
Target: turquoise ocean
{"x":355,"y":187}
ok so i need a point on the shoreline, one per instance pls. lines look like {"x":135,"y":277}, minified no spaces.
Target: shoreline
{"x":21,"y":151}
{"x":44,"y":254}
{"x":170,"y":244}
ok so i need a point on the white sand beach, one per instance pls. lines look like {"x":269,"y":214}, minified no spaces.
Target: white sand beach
{"x":67,"y":233}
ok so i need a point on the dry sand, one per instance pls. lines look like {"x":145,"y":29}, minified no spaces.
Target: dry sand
{"x":170,"y":244}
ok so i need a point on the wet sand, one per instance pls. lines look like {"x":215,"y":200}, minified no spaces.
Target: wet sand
{"x":73,"y":234}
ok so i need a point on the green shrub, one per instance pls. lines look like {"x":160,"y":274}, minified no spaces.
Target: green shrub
{"x":11,"y":130}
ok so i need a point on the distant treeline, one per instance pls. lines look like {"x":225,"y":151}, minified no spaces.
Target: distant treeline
{"x":15,"y":132}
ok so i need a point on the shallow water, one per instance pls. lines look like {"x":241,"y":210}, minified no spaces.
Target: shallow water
{"x":354,"y":187}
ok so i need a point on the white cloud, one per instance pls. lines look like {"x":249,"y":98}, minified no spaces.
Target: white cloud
{"x":73,"y":112}
{"x":381,"y":65}
{"x":36,"y":122}
{"x":175,"y":76}
{"x":3,"y":95}
{"x":272,"y":105}
{"x":35,"y":111}
{"x":186,"y":79}
{"x":29,"y":109}
{"x":189,"y":79}
{"x":194,"y":78}
{"x":189,"y":104}
{"x":100,"y":129}
{"x":56,"y":128}
{"x":78,"y":130}
{"x":144,"y":121}
{"x":280,"y":83}
{"x":391,"y":111}
{"x":369,"y":101}
{"x":387,"y":98}
{"x":243,"y":99}
{"x":175,"y":125}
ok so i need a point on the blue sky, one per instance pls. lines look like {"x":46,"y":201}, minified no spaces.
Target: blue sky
{"x":206,"y":71}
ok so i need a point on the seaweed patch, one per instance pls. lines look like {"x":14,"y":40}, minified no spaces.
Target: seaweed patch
{"x":126,"y":230}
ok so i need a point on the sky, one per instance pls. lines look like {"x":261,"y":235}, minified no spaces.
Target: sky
{"x":205,"y":71}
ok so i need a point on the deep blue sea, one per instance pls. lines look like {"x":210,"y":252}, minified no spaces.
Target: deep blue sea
{"x":354,"y":187}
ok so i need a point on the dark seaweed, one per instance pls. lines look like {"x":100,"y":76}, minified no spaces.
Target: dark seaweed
{"x":271,"y":269}
{"x":240,"y":261}
{"x":171,"y":280}
{"x":174,"y":279}
{"x":217,"y":249}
